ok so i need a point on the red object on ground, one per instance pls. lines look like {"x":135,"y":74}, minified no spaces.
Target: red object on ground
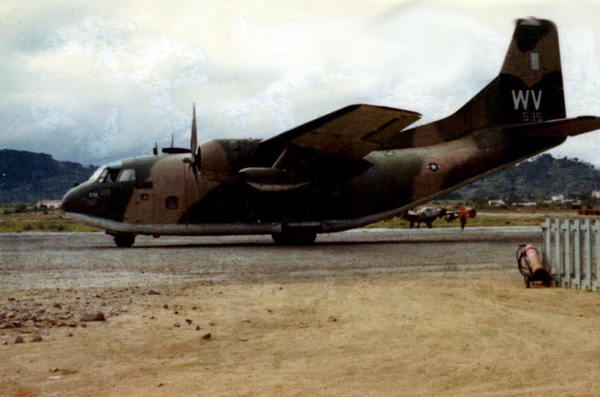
{"x":533,"y":258}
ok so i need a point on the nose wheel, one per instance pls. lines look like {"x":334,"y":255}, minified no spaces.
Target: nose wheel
{"x":124,"y":240}
{"x":299,"y":236}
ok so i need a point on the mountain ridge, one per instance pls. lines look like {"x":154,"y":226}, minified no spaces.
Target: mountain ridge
{"x":27,"y":177}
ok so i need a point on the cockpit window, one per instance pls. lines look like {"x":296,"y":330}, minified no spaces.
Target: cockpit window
{"x":108,"y":175}
{"x":112,"y":173}
{"x":103,"y":174}
{"x":96,"y":175}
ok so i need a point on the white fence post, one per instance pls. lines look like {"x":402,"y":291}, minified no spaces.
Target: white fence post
{"x":567,"y":253}
{"x":547,"y":251}
{"x":560,"y":265}
{"x":596,"y":252}
{"x":576,"y":231}
{"x":587,"y":255}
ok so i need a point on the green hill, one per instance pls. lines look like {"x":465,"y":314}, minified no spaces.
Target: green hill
{"x":26,"y":177}
{"x":535,"y":180}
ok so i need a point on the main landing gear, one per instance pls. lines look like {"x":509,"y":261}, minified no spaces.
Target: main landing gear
{"x":296,"y":236}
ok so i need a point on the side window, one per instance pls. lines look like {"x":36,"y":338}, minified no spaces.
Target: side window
{"x":127,"y":175}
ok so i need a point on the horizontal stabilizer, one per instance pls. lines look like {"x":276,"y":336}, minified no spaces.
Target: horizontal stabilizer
{"x":557,"y":128}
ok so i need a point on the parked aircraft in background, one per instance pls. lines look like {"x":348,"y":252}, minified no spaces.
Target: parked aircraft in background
{"x":347,"y":169}
{"x":427,"y":215}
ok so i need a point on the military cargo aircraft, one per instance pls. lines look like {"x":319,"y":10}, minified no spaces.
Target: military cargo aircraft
{"x":347,"y":169}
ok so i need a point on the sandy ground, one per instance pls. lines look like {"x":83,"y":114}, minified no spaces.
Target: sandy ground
{"x":364,"y":314}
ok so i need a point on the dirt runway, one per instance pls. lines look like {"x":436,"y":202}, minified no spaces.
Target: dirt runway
{"x":365,"y":313}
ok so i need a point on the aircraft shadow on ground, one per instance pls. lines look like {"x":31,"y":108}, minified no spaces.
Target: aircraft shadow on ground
{"x":317,"y":245}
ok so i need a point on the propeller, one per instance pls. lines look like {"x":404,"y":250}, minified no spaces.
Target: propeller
{"x":194,"y":142}
{"x":194,"y":160}
{"x":193,"y":163}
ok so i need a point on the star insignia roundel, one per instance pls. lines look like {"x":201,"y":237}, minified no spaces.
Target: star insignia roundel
{"x":434,"y":167}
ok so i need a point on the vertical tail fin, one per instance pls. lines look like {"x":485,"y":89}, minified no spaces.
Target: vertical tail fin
{"x":531,"y":84}
{"x":529,"y":87}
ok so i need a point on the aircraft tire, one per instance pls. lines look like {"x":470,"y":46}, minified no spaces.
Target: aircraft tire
{"x":124,"y":240}
{"x":296,"y":237}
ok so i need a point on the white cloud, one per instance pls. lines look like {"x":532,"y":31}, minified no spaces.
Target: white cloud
{"x":97,"y":142}
{"x":46,"y":116}
{"x":97,"y":81}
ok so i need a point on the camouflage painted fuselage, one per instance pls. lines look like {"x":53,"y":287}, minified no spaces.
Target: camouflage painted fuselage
{"x":166,"y":199}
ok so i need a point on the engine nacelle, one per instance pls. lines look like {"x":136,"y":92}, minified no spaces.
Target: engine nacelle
{"x":220,"y":158}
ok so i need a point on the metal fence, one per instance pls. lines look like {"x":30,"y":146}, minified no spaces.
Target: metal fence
{"x":572,"y":252}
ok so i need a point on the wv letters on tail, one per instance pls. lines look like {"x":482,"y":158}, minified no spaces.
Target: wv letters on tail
{"x":531,"y":110}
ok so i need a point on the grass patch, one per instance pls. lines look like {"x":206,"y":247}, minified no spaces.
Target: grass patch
{"x":20,"y":218}
{"x":478,"y":221}
{"x":528,"y":217}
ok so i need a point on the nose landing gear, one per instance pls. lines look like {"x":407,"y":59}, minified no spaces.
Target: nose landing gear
{"x":124,"y":240}
{"x":295,"y":236}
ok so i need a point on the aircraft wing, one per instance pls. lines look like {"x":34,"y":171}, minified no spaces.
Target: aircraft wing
{"x":351,"y":132}
{"x":330,"y":148}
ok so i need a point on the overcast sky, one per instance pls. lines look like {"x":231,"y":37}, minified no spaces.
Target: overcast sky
{"x":94,"y":81}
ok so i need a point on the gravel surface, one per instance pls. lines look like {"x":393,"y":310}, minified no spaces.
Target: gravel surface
{"x":84,"y":260}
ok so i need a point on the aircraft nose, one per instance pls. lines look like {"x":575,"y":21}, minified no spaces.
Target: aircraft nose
{"x":70,"y":200}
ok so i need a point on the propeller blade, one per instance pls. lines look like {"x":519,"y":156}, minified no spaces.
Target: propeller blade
{"x":194,"y":143}
{"x":194,"y":146}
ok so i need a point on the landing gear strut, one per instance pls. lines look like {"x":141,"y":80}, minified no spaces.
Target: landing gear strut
{"x":124,"y":240}
{"x":296,"y":236}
